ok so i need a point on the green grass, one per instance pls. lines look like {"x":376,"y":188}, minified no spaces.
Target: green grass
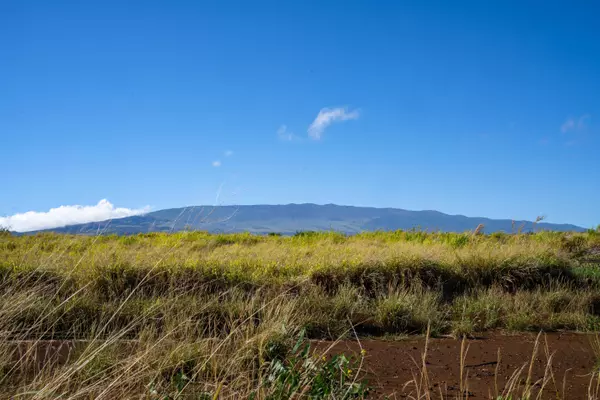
{"x":113,"y":264}
{"x":385,"y":283}
{"x":194,"y":314}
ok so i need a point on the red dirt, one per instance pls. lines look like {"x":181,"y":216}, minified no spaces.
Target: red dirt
{"x":390,"y":365}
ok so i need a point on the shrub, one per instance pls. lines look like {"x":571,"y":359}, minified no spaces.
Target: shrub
{"x":316,"y":378}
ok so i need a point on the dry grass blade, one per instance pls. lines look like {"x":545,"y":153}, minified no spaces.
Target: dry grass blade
{"x":182,"y":314}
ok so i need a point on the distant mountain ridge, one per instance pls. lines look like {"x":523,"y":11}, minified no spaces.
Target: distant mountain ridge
{"x":291,"y":218}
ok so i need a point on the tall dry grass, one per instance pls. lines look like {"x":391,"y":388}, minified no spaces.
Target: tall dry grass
{"x":193,"y":315}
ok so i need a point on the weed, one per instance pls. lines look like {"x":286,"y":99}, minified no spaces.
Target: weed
{"x":313,"y":377}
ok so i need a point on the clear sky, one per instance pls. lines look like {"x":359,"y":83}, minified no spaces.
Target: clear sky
{"x":482,"y":108}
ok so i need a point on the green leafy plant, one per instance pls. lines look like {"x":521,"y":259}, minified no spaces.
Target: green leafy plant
{"x":336,"y":377}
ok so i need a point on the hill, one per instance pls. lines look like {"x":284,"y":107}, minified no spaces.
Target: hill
{"x":291,"y":218}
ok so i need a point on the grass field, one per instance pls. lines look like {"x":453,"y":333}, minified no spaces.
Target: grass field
{"x":194,"y":315}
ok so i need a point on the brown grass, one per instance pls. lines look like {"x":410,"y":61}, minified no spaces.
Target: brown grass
{"x":182,"y":315}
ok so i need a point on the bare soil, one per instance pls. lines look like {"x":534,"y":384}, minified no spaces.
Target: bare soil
{"x":391,"y":365}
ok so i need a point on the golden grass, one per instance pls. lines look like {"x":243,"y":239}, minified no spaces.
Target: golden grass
{"x":281,"y":260}
{"x":176,"y":315}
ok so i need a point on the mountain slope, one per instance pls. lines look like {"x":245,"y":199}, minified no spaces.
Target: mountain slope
{"x":290,"y":218}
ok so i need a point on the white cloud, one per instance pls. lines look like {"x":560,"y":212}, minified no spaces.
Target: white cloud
{"x":326,"y":117}
{"x":228,"y":153}
{"x":67,"y":215}
{"x":572,"y":124}
{"x":216,"y":163}
{"x":284,"y":134}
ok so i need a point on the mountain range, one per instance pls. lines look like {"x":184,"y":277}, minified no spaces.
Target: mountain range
{"x":291,"y":218}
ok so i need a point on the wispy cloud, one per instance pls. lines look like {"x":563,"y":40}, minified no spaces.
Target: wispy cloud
{"x":575,"y":124}
{"x":583,"y":121}
{"x":284,"y":134}
{"x":228,"y":153}
{"x":326,"y":117}
{"x":216,"y":163}
{"x":568,"y":125}
{"x":67,"y":215}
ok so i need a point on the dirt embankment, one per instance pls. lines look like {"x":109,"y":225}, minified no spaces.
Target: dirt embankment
{"x":391,"y":365}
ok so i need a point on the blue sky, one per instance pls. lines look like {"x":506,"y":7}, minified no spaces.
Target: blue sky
{"x":475,"y":108}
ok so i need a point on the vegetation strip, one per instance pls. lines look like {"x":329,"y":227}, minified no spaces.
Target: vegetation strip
{"x":221,"y":315}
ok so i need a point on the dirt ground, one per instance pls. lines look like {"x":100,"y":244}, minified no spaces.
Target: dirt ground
{"x":391,"y":365}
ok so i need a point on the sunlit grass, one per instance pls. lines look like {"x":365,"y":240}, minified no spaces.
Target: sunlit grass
{"x":192,"y":313}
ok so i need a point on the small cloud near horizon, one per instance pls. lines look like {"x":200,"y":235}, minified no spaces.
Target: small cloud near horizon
{"x":67,"y":215}
{"x":216,"y":163}
{"x":328,"y":116}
